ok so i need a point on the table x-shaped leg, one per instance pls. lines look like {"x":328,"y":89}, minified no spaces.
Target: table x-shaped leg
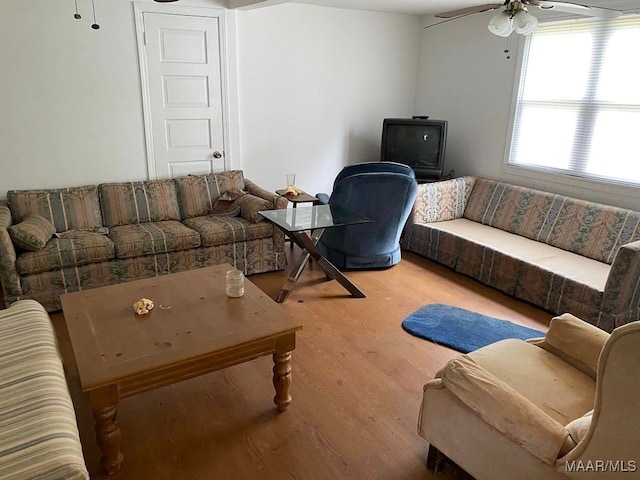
{"x":310,"y":250}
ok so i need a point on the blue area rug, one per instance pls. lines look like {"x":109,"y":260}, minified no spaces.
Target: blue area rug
{"x":461,"y":329}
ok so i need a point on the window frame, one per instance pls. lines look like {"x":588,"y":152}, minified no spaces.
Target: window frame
{"x":571,"y":178}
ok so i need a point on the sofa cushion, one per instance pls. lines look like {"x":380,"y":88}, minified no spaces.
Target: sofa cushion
{"x":39,"y":434}
{"x":81,"y":248}
{"x":32,"y":233}
{"x":198,"y":193}
{"x":218,"y":230}
{"x":66,"y":208}
{"x":139,"y":202}
{"x":587,"y":228}
{"x":153,"y":237}
{"x":564,"y":263}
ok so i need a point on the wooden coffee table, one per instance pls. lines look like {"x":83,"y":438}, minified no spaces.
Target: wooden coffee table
{"x":194,"y":329}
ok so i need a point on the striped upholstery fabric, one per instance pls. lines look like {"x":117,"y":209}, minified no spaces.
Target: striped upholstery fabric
{"x":80,"y":249}
{"x":198,"y":193}
{"x":133,"y":247}
{"x":277,"y":201}
{"x":39,"y":437}
{"x":218,"y":230}
{"x":587,"y":228}
{"x":253,"y":256}
{"x":32,"y":233}
{"x":560,"y":253}
{"x":66,"y":208}
{"x":5,"y":216}
{"x":139,"y":202}
{"x":8,"y":271}
{"x":153,"y":238}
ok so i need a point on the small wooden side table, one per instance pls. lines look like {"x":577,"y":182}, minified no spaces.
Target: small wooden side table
{"x":304,"y":197}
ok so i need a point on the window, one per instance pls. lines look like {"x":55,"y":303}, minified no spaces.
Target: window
{"x":578,"y":101}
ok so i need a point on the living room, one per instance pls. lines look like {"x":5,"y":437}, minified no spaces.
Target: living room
{"x":308,"y":87}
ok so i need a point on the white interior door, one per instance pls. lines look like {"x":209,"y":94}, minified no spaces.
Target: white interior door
{"x":184,"y":94}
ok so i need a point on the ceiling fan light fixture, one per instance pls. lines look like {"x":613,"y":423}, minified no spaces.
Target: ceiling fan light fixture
{"x":525,"y":23}
{"x":501,"y":24}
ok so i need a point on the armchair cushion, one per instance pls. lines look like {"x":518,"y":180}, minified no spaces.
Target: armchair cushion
{"x":32,"y":233}
{"x":502,"y":407}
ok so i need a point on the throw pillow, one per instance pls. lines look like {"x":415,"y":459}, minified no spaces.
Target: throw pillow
{"x":227,"y":203}
{"x":250,"y":205}
{"x":32,"y":233}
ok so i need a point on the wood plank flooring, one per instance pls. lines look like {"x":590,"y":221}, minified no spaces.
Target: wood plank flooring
{"x":357,"y":387}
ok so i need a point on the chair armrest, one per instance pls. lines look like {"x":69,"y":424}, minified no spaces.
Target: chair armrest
{"x":621,"y":299}
{"x":440,"y":201}
{"x":9,"y":276}
{"x":505,"y":409}
{"x":277,"y":202}
{"x":323,"y":198}
{"x":575,"y":341}
{"x":5,"y":216}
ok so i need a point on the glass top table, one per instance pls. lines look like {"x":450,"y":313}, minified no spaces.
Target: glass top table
{"x":311,"y":218}
{"x":296,"y":222}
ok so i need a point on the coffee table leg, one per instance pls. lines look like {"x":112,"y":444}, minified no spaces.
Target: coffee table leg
{"x":104,"y":404}
{"x":282,"y":380}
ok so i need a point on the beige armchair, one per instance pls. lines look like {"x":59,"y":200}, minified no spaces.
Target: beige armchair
{"x":565,"y":406}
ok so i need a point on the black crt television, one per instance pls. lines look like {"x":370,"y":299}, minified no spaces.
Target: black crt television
{"x":417,"y":142}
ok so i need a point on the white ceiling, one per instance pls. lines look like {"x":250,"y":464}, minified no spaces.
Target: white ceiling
{"x":429,"y":7}
{"x":412,"y":7}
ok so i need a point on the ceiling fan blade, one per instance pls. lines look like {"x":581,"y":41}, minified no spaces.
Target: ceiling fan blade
{"x":469,"y":10}
{"x":605,"y":13}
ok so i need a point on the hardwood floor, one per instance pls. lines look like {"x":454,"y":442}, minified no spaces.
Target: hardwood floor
{"x":357,"y":387}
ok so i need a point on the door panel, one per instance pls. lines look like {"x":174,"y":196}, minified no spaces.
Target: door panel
{"x":185,"y":93}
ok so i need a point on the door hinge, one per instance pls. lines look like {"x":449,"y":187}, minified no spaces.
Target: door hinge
{"x":144,"y":38}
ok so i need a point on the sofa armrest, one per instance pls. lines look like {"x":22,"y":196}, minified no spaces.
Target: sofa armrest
{"x":277,"y":201}
{"x":9,"y":276}
{"x":621,"y":299}
{"x":5,"y":216}
{"x":505,"y":409}
{"x":575,"y":341}
{"x":440,"y":201}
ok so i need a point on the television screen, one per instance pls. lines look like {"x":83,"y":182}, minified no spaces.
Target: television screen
{"x":416,"y":142}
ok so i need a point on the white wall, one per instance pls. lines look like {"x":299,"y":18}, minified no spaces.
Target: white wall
{"x":314,"y":86}
{"x":70,"y":100}
{"x":465,"y":78}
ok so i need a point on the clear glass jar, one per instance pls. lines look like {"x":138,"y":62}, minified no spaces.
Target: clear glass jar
{"x":235,"y":283}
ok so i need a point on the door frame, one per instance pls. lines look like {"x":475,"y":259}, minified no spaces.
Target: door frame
{"x":228,"y":77}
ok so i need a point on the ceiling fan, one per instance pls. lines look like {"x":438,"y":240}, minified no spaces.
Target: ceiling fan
{"x":514,"y":15}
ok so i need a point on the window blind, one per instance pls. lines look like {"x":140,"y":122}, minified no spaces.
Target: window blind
{"x":578,"y":102}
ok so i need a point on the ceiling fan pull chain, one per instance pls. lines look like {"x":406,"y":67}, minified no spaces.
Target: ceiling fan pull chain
{"x":95,"y":25}
{"x":76,"y":15}
{"x":507,"y":50}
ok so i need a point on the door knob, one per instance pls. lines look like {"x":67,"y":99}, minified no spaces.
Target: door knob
{"x":217,"y":154}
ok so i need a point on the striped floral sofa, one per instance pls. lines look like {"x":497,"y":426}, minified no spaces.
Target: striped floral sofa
{"x":38,"y":432}
{"x":557,"y":252}
{"x":118,"y":232}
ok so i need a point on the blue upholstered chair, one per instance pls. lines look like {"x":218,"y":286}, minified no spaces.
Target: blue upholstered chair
{"x":382,"y":191}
